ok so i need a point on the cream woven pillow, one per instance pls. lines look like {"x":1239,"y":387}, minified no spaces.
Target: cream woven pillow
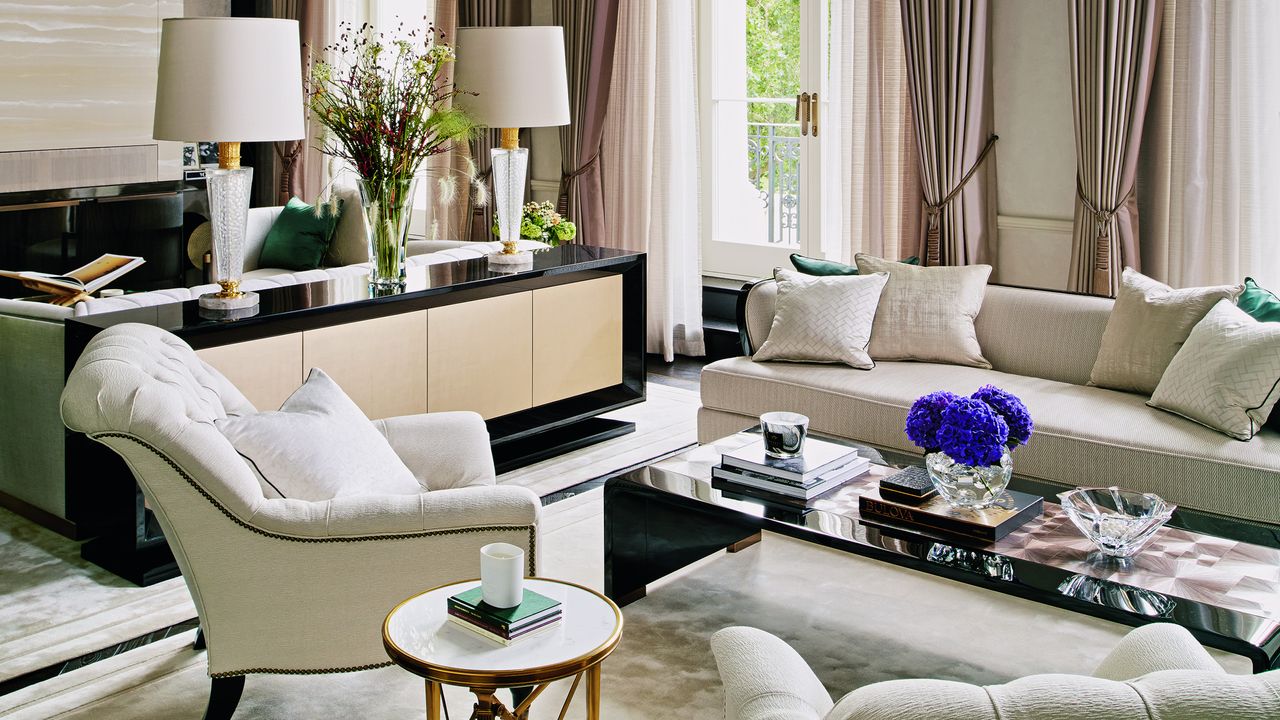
{"x":318,"y":446}
{"x":1148,"y":324}
{"x":926,"y":313}
{"x":1227,"y":374}
{"x":823,"y":319}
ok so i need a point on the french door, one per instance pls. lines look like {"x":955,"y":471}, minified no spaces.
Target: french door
{"x":762,"y":88}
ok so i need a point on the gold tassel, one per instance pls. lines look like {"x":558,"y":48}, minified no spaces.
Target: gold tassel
{"x":1102,"y":258}
{"x":933,"y":241}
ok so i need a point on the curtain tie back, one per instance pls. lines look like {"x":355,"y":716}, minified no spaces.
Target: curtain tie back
{"x":933,"y":211}
{"x":1102,"y":218}
{"x":568,"y":178}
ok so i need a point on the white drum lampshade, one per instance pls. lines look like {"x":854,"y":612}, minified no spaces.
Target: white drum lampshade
{"x":229,"y":80}
{"x":519,"y":80}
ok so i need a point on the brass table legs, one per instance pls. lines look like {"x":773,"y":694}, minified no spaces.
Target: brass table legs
{"x":489,"y":707}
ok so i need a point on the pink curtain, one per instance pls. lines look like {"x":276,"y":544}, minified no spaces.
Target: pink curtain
{"x":590,"y":30}
{"x":1113,"y":60}
{"x":948,"y":50}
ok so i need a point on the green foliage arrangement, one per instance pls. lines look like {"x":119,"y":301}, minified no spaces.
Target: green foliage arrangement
{"x":385,"y":109}
{"x":540,"y":221}
{"x":382,"y":105}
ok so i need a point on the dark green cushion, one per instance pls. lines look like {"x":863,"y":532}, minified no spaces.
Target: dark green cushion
{"x":1261,"y":304}
{"x":300,"y":236}
{"x":817,"y":266}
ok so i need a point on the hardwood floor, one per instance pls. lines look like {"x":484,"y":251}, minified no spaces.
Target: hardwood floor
{"x":684,"y":372}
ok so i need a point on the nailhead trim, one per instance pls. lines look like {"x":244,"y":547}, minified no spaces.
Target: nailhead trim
{"x":358,"y":538}
{"x":277,"y":671}
{"x":533,"y":539}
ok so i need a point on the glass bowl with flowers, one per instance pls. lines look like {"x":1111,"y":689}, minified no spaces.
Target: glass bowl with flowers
{"x":968,"y":442}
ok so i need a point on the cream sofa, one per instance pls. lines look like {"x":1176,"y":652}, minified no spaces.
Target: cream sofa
{"x":32,"y":363}
{"x":1157,"y":671}
{"x":1042,"y":345}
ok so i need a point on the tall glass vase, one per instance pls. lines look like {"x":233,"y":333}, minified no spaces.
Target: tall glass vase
{"x":388,"y":206}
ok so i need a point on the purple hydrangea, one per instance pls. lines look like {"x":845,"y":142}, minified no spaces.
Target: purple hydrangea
{"x":1010,"y":408}
{"x":925,"y":417}
{"x":972,"y":433}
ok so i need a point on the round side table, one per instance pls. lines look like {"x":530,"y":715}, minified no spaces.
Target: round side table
{"x":419,"y":638}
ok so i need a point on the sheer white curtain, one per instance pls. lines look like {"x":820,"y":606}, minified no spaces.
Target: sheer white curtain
{"x":871,"y":190}
{"x":649,"y":164}
{"x":1209,"y":181}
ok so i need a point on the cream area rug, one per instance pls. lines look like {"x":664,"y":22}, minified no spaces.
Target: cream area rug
{"x":855,"y":620}
{"x":55,"y":607}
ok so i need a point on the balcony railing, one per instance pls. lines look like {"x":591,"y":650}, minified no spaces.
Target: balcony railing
{"x":773,"y":163}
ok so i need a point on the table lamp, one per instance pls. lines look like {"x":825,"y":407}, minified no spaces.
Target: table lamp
{"x":517,"y":75}
{"x":229,"y":80}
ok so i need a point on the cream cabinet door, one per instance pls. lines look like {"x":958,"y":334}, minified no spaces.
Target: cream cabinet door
{"x":480,"y":355}
{"x":577,"y":338}
{"x":381,"y":364}
{"x":267,"y":371}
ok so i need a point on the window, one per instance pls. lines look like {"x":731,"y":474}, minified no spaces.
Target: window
{"x":762,"y":80}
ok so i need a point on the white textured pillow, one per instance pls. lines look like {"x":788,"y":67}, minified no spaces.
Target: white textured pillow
{"x":318,"y":446}
{"x":1148,"y":323}
{"x":823,"y":319}
{"x":926,"y":313}
{"x":1227,"y":373}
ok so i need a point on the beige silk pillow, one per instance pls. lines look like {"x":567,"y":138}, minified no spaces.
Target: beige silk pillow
{"x":1227,"y":374}
{"x":823,"y":318}
{"x":926,"y":313}
{"x":1148,"y":324}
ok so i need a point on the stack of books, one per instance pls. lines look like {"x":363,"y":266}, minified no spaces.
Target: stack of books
{"x":822,"y":467}
{"x":535,"y":614}
{"x":936,"y":516}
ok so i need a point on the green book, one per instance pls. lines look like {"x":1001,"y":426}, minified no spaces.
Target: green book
{"x":530,"y":605}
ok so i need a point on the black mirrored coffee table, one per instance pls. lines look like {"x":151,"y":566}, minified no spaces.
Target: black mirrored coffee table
{"x":1216,"y":577}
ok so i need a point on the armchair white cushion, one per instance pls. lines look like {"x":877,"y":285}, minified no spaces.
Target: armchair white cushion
{"x":1157,"y":671}
{"x":283,"y":585}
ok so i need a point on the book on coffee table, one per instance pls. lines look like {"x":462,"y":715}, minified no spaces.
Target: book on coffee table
{"x":816,"y":458}
{"x":804,"y":491}
{"x":939,"y":516}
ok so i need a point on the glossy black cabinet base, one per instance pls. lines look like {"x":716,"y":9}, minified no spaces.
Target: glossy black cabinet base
{"x":147,"y":565}
{"x":529,"y":449}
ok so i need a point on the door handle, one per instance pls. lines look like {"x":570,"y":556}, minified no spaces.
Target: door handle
{"x":802,"y":112}
{"x":813,"y":113}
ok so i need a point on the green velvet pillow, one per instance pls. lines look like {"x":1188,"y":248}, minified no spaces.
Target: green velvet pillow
{"x":816,"y":266}
{"x":300,"y":237}
{"x":1262,"y":305}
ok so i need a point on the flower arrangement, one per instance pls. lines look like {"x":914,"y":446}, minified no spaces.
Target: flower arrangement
{"x":383,"y":107}
{"x":384,"y":110}
{"x":540,"y":221}
{"x":974,"y":430}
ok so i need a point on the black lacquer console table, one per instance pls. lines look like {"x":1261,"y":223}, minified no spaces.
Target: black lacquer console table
{"x":563,"y":285}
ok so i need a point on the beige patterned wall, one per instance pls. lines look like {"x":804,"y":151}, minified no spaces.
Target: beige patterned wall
{"x":77,"y":91}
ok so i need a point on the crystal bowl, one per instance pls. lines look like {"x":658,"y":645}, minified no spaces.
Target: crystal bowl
{"x":1118,"y":521}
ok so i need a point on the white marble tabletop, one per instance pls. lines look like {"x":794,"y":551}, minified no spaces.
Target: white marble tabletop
{"x":419,"y":629}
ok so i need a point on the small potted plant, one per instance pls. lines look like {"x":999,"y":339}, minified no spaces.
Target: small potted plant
{"x":540,"y":221}
{"x":968,"y":441}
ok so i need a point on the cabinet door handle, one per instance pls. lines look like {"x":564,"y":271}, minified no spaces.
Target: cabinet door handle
{"x":802,"y":112}
{"x":813,"y":114}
